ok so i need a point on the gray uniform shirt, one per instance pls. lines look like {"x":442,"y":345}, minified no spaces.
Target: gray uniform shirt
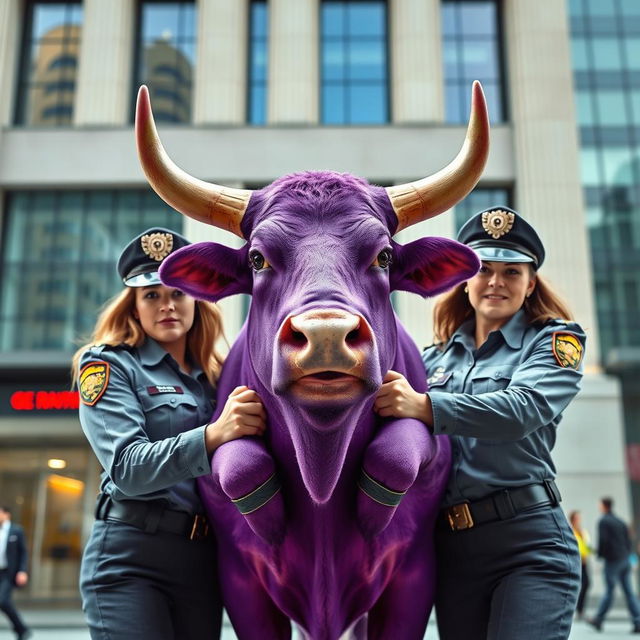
{"x":501,"y":403}
{"x":147,"y":427}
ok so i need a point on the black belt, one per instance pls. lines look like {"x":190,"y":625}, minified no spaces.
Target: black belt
{"x":152,"y":517}
{"x":501,"y":505}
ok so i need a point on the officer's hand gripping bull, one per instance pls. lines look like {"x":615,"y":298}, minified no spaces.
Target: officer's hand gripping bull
{"x":330,"y":516}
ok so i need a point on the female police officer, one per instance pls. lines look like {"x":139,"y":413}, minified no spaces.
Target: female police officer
{"x":146,"y":387}
{"x":507,"y":365}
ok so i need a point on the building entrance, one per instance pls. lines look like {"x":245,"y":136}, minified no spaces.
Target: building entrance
{"x":51,"y":492}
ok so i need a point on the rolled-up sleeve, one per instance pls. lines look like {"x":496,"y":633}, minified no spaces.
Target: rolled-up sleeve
{"x":539,"y":391}
{"x":115,"y":428}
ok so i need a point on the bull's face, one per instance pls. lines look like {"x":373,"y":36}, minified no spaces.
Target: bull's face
{"x":320,"y":297}
{"x":320,"y":263}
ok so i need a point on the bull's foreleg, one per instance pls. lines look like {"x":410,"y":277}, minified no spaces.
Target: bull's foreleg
{"x":390,"y":466}
{"x":403,"y":609}
{"x":246,"y":473}
{"x":252,"y":612}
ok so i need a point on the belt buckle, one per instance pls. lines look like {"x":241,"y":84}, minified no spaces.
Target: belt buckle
{"x":199,"y":528}
{"x":459,"y":517}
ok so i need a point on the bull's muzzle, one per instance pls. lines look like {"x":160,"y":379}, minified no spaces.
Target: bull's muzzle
{"x":327,"y":352}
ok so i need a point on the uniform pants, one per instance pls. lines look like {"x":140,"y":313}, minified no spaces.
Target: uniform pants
{"x":6,"y":602}
{"x":142,"y":586}
{"x":618,"y":571}
{"x":516,"y":578}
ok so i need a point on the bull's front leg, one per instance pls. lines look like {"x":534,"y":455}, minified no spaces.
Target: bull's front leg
{"x":246,"y":473}
{"x":391,"y":464}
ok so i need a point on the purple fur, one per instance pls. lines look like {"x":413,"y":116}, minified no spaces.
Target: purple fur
{"x":321,"y":552}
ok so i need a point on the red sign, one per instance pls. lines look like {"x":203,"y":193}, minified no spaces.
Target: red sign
{"x":44,"y":400}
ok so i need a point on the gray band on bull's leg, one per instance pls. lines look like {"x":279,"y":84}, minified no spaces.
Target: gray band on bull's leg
{"x":379,"y":492}
{"x":258,"y":497}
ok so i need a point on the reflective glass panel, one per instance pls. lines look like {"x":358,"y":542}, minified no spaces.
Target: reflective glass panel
{"x":354,"y":65}
{"x":59,"y":256}
{"x":258,"y":62}
{"x":606,"y":59}
{"x":48,"y":70}
{"x":471,"y":51}
{"x":166,"y":50}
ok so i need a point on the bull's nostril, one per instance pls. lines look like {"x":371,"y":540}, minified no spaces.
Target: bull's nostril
{"x":292,"y":337}
{"x":298,"y":338}
{"x":353,"y":337}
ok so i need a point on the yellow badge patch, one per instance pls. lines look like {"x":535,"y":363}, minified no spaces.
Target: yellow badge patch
{"x":567,"y":349}
{"x":94,"y":379}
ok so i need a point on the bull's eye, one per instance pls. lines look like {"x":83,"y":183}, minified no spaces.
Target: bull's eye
{"x":257,"y":260}
{"x":383,"y":259}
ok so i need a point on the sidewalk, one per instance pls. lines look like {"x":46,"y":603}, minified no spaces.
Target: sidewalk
{"x":68,"y":624}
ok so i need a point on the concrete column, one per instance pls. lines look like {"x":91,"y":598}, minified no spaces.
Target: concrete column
{"x":549,"y":190}
{"x":10,"y":30}
{"x":220,"y":88}
{"x":106,"y":62}
{"x":293,"y":62}
{"x":417,"y":79}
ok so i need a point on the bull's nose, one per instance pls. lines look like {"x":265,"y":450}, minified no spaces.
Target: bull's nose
{"x":326,"y":340}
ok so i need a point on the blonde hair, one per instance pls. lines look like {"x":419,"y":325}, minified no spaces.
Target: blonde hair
{"x":117,"y":325}
{"x":453,"y":308}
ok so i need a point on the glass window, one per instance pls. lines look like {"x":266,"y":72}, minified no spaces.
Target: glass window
{"x":354,"y":65}
{"x":590,"y":162}
{"x":166,"y":56}
{"x":481,"y":198}
{"x":584,"y":105}
{"x":48,"y":71}
{"x":60,"y":251}
{"x":606,"y":54}
{"x":50,"y":505}
{"x":579,"y":51}
{"x":471,"y":51}
{"x":618,"y":166}
{"x":612,"y":107}
{"x":632,"y":52}
{"x":258,"y":61}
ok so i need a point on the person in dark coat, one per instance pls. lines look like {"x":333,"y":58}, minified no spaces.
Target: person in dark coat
{"x":13,"y":569}
{"x":614,"y":547}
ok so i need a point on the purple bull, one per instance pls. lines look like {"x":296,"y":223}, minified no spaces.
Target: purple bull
{"x":327,"y":520}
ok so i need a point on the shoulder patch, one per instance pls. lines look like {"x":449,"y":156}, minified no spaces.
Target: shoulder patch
{"x":93,"y":381}
{"x":567,"y":349}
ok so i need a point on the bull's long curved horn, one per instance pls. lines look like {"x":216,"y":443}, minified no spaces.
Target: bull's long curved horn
{"x":210,"y":203}
{"x":423,"y":199}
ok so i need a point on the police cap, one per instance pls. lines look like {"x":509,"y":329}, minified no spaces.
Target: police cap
{"x":140,"y":260}
{"x":500,"y":234}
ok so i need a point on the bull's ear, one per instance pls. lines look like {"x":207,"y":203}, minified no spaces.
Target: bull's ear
{"x":207,"y":271}
{"x":430,"y":266}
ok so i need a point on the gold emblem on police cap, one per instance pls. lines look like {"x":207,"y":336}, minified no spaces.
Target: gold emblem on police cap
{"x":497,"y":223}
{"x":157,"y":245}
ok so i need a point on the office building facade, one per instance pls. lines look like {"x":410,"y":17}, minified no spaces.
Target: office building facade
{"x":247,"y":91}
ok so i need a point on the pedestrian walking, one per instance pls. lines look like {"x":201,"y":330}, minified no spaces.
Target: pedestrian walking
{"x":614,"y":547}
{"x":584,"y":547}
{"x":13,"y":569}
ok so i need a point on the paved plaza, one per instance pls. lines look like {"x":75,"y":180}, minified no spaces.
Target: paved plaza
{"x":67,"y":624}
